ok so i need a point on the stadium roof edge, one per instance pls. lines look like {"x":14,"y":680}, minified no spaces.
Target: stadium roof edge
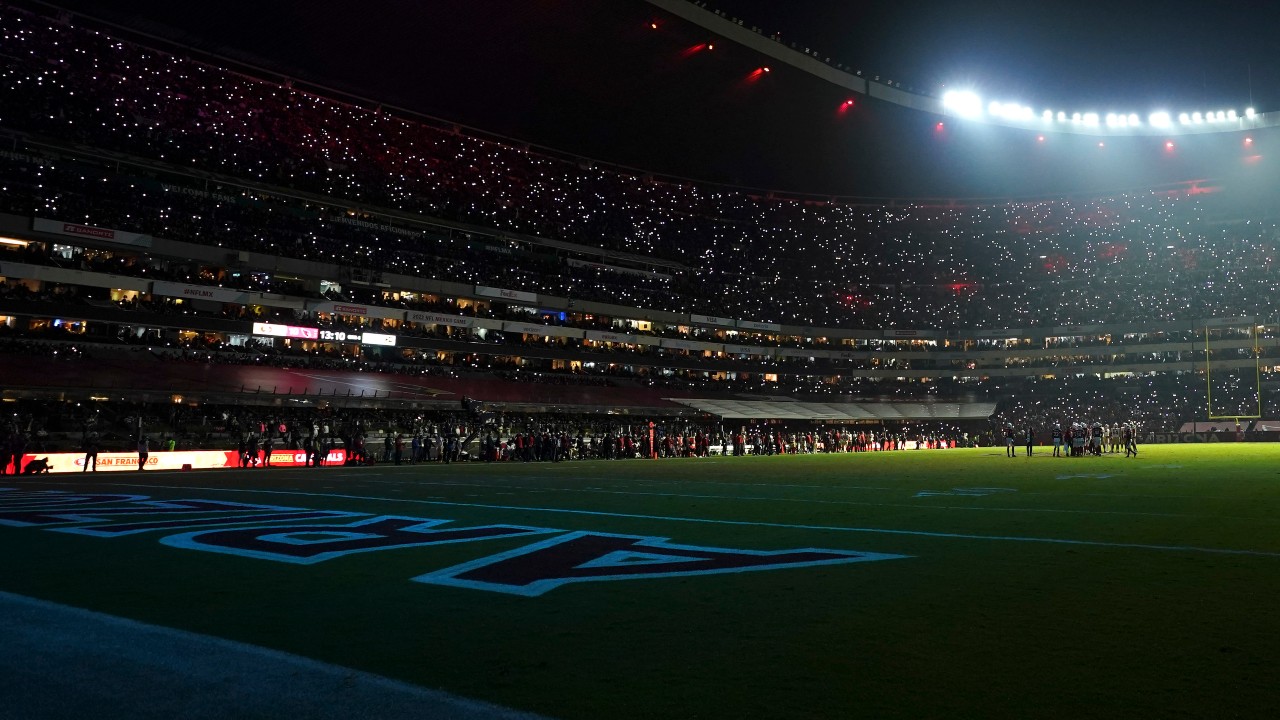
{"x":735,"y":31}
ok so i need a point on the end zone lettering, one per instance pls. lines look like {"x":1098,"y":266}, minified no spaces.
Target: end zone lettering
{"x":305,"y":537}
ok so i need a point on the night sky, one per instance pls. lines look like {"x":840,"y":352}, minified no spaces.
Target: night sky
{"x":591,"y":77}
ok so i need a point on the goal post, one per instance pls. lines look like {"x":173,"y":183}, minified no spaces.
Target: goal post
{"x":1254,"y":401}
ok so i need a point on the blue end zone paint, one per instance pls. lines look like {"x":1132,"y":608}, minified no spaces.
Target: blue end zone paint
{"x":56,"y":499}
{"x":450,"y":577}
{"x":122,"y":529}
{"x":191,"y":540}
{"x":315,"y":538}
{"x":623,"y":558}
{"x":215,"y":510}
{"x":749,"y":523}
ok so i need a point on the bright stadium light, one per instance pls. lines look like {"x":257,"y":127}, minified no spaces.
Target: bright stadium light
{"x":1250,"y":113}
{"x":964,"y":103}
{"x":1091,"y":119}
{"x":1112,"y":120}
{"x":1184,"y":118}
{"x":1133,"y":119}
{"x":1231,"y":115}
{"x":1159,"y":119}
{"x":1062,"y":116}
{"x":1197,"y":118}
{"x":1047,"y":116}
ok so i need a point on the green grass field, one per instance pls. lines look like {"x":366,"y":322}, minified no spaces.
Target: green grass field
{"x":1031,"y":587}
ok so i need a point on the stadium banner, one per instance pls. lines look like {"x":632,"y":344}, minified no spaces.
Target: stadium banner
{"x":752,"y":325}
{"x":524,"y":297}
{"x":199,"y":292}
{"x":286,"y":331}
{"x":435,"y":319}
{"x":542,"y":330}
{"x":165,"y":460}
{"x":72,"y":277}
{"x":1225,"y":322}
{"x":57,"y":227}
{"x":905,"y":333}
{"x":1072,"y":330}
{"x":801,"y":353}
{"x":598,"y":336}
{"x":1166,"y":438}
{"x":712,"y":320}
{"x":373,"y":311}
{"x":749,"y":350}
{"x":691,"y":345}
{"x":277,"y":300}
{"x":618,"y":269}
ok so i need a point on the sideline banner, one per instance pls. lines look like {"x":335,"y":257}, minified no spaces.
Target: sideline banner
{"x":199,"y":292}
{"x":164,"y":460}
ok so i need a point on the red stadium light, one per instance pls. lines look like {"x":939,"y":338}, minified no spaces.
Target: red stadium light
{"x":845,"y":106}
{"x":939,"y":127}
{"x":1248,"y":141}
{"x":690,"y":51}
{"x":757,"y":74}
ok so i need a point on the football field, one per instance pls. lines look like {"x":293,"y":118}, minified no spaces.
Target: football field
{"x":912,"y":584}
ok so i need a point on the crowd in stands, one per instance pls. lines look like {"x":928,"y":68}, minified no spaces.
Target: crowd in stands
{"x":1134,"y":257}
{"x":109,"y":133}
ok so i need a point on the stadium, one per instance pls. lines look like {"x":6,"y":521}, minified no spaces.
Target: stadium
{"x":316,"y":326}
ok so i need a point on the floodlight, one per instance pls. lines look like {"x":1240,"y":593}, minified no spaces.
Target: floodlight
{"x":1231,"y":115}
{"x":995,"y":108}
{"x":1159,"y":119}
{"x":1197,"y":118}
{"x":1133,"y":119}
{"x":1047,"y":115}
{"x":1184,"y":118}
{"x":1062,"y":117}
{"x":1112,"y":120}
{"x":964,"y":103}
{"x":1250,"y":113}
{"x":1091,"y":118}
